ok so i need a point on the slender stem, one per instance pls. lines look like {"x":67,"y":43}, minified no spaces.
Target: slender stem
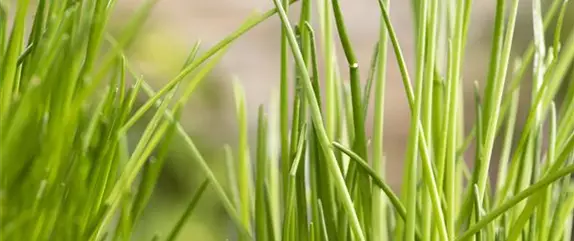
{"x":261,"y":222}
{"x":359,"y":140}
{"x":495,"y":85}
{"x":284,"y":108}
{"x":379,"y":201}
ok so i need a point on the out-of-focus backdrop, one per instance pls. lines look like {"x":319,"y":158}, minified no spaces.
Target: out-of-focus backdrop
{"x":175,"y":25}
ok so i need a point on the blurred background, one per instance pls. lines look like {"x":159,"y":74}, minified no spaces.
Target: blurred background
{"x":174,"y":27}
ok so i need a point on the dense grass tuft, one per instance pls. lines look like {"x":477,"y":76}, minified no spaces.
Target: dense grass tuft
{"x":67,"y":105}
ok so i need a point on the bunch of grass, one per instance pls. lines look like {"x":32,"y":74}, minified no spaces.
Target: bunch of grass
{"x":329,"y":187}
{"x":67,"y":172}
{"x":67,"y":105}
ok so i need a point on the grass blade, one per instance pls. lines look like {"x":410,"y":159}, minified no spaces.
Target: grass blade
{"x":261,"y":211}
{"x":188,"y":211}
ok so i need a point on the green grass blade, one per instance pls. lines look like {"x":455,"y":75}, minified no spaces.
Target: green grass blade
{"x":329,"y":55}
{"x":261,"y":210}
{"x":270,"y":219}
{"x":558,"y":33}
{"x":367,"y":90}
{"x":543,"y":215}
{"x":243,"y":158}
{"x":284,"y":108}
{"x":479,"y":211}
{"x":231,"y":175}
{"x":379,"y":202}
{"x":493,"y":98}
{"x":10,"y":59}
{"x":506,"y":146}
{"x":188,"y":211}
{"x":358,"y":111}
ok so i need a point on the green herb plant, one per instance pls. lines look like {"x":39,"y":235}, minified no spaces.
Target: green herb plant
{"x":67,"y":172}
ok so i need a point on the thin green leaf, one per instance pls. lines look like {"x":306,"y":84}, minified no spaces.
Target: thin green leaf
{"x":188,"y":211}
